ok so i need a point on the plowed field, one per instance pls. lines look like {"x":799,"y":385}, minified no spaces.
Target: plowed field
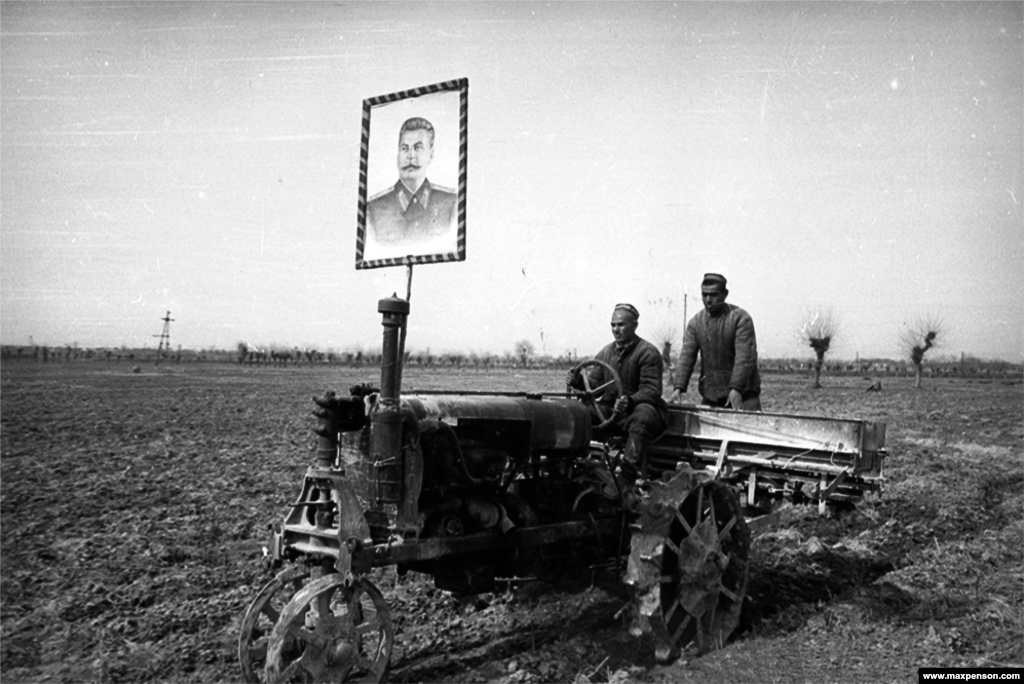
{"x":135,"y":505}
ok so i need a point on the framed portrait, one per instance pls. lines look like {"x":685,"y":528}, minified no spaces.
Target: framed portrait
{"x":412,"y":177}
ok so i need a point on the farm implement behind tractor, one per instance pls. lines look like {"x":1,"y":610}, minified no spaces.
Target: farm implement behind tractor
{"x":474,"y":487}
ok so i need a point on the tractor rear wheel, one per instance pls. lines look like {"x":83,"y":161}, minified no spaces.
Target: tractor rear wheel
{"x":688,"y":564}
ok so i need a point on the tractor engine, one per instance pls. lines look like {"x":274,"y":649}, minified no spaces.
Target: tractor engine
{"x":474,"y":464}
{"x":451,"y":463}
{"x":445,"y":474}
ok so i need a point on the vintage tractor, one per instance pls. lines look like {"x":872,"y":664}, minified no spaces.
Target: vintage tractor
{"x":469,"y":487}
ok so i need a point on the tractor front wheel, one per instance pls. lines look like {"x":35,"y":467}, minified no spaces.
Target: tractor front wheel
{"x":335,"y":629}
{"x":260,"y":618}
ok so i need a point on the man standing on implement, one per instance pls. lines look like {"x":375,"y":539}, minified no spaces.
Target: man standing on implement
{"x":724,"y":336}
{"x":640,"y":411}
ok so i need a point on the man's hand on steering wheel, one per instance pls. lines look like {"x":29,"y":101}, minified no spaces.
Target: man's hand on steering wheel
{"x":591,"y":395}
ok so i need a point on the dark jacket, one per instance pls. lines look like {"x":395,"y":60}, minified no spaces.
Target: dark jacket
{"x":395,"y":215}
{"x":728,"y":354}
{"x":640,"y":368}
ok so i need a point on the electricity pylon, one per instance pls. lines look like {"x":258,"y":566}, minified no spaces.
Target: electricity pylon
{"x":165,"y":337}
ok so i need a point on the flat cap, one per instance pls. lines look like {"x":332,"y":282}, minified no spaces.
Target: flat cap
{"x":713,"y":279}
{"x":630,"y":308}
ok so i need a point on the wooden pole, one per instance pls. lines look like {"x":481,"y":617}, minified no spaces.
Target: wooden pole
{"x":405,"y":323}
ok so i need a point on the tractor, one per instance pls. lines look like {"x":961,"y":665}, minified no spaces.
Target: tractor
{"x":476,"y":487}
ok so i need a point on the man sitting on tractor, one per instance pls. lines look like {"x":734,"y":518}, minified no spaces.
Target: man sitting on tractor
{"x":640,"y":412}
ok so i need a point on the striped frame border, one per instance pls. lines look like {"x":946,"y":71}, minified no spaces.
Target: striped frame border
{"x":461,"y":85}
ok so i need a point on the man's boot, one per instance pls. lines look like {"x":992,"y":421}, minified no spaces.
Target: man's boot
{"x":636,"y":453}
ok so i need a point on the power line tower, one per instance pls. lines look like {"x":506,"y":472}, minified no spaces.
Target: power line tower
{"x":165,"y":337}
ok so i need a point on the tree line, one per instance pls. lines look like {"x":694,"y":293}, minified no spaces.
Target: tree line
{"x":521,"y":357}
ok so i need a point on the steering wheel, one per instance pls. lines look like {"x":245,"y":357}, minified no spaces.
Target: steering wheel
{"x":592,"y":394}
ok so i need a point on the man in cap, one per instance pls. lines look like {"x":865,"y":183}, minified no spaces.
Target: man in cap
{"x":413,"y":208}
{"x":640,"y":411}
{"x":724,"y":336}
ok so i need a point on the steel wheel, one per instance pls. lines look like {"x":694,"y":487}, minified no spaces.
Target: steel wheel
{"x":689,"y":567}
{"x":260,"y":619}
{"x":340,"y":633}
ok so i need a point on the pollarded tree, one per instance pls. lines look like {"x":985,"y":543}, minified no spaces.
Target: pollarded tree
{"x":918,"y":338}
{"x":818,"y":331}
{"x":662,"y":337}
{"x":524,"y":352}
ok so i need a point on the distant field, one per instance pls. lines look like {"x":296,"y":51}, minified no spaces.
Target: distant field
{"x":134,"y":506}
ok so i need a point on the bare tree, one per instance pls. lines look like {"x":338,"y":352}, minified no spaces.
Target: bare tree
{"x":918,"y":337}
{"x":818,"y":331}
{"x":524,"y":352}
{"x":663,"y":336}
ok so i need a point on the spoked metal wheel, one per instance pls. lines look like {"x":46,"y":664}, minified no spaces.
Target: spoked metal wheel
{"x":330,"y":632}
{"x":688,"y":565}
{"x":260,"y":618}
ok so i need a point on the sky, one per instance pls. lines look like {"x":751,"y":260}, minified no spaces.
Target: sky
{"x":203,"y":159}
